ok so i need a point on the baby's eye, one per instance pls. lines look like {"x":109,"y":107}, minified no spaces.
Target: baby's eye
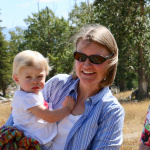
{"x":28,"y":77}
{"x":40,"y":76}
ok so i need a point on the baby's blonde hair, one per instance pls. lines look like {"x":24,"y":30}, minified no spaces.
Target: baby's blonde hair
{"x":28,"y":58}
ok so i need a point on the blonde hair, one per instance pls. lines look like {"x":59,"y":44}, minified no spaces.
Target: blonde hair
{"x":100,"y":35}
{"x":28,"y":58}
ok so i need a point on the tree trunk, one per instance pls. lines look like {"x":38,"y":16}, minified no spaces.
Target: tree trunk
{"x":3,"y":88}
{"x":122,"y":85}
{"x":142,"y":80}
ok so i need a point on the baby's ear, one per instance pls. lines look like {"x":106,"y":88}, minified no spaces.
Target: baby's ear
{"x":15,"y":78}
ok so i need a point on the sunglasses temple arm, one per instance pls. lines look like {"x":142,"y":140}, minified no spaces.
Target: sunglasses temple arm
{"x":107,"y":57}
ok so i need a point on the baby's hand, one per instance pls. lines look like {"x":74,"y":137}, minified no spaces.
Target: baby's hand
{"x":69,"y":102}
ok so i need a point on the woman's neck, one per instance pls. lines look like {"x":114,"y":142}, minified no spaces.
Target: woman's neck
{"x":85,"y":91}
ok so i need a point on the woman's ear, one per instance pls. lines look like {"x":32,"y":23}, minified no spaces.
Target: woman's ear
{"x":15,"y":78}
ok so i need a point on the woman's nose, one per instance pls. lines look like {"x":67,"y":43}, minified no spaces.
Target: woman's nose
{"x":87,"y":63}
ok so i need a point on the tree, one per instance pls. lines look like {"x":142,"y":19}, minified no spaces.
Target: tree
{"x":5,"y":64}
{"x":17,"y":40}
{"x":110,"y":15}
{"x":142,"y":49}
{"x":49,"y":35}
{"x":129,"y":23}
{"x":81,"y":15}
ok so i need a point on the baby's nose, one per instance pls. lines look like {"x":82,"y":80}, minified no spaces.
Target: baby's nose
{"x":35,"y":81}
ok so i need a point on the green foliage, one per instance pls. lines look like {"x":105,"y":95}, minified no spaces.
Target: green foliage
{"x":128,"y":26}
{"x":5,"y":64}
{"x":128,"y":21}
{"x":49,"y":35}
{"x":16,"y":43}
{"x":81,"y":15}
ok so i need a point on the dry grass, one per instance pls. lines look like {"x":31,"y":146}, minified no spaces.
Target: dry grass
{"x":5,"y":110}
{"x":123,"y":95}
{"x":135,"y":114}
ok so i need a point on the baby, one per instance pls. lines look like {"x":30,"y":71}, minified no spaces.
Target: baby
{"x":29,"y":110}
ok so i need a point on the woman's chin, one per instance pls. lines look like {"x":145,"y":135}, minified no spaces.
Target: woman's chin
{"x":88,"y":82}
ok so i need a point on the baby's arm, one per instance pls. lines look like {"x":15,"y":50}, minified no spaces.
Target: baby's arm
{"x":69,"y":102}
{"x":54,"y":115}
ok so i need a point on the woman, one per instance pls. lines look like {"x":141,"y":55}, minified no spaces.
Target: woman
{"x":96,"y":121}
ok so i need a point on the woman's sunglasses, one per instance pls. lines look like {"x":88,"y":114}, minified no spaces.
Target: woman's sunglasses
{"x":95,"y":59}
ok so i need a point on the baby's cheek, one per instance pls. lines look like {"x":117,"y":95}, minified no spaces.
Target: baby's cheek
{"x":42,"y":85}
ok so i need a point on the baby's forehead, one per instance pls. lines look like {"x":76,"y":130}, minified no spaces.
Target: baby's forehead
{"x":31,"y":69}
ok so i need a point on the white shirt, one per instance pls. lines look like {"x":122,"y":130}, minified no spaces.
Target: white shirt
{"x":32,"y":126}
{"x":64,"y":127}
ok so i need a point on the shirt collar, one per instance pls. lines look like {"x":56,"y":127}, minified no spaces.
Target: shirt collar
{"x":74,"y":86}
{"x":96,"y":98}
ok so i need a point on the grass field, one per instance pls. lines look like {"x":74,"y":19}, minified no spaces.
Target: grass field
{"x":5,"y":110}
{"x":135,"y":113}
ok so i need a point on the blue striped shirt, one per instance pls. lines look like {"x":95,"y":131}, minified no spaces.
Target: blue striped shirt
{"x":100,"y":127}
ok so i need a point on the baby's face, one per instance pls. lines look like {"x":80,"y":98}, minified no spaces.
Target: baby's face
{"x":31,"y":79}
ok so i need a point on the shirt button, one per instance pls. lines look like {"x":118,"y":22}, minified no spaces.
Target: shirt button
{"x":88,"y":99}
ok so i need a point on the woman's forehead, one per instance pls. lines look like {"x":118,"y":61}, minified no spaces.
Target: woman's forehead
{"x":83,"y":43}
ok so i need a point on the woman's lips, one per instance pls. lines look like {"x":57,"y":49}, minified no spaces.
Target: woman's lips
{"x":88,"y":72}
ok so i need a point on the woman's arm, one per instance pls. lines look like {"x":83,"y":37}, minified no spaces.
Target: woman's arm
{"x":109,"y":133}
{"x":9,"y":122}
{"x":54,"y":115}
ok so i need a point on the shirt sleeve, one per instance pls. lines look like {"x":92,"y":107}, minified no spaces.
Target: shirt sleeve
{"x":109,"y":133}
{"x":32,"y":100}
{"x":145,"y":136}
{"x":29,"y":101}
{"x":53,"y":86}
{"x":48,"y":88}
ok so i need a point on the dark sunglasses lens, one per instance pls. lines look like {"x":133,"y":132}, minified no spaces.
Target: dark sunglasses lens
{"x":97,"y":59}
{"x":79,"y":56}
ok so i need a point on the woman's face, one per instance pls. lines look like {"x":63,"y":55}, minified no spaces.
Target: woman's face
{"x":91,"y":74}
